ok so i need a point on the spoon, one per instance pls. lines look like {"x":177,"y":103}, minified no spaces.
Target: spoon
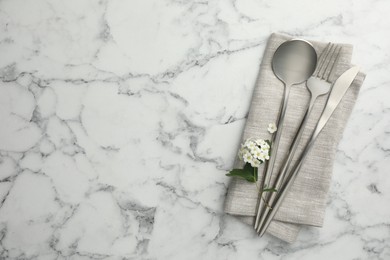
{"x":317,"y":85}
{"x":293,"y":63}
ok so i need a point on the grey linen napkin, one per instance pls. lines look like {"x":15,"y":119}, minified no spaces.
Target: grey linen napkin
{"x":306,"y":201}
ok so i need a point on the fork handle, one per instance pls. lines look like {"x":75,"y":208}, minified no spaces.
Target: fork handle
{"x":297,"y":138}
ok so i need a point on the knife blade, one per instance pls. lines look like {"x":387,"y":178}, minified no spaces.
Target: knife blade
{"x":338,"y":91}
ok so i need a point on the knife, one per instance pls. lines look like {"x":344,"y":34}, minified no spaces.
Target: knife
{"x":338,"y":91}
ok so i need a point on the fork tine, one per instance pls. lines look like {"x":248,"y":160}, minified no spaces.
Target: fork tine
{"x":332,"y":62}
{"x":321,"y":59}
{"x":326,"y":61}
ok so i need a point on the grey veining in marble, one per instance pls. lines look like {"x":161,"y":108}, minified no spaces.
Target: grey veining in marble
{"x":119,"y":119}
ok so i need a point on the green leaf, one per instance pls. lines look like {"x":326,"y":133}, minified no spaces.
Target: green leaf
{"x":248,"y":167}
{"x":246,"y":173}
{"x":270,"y":190}
{"x":252,"y":170}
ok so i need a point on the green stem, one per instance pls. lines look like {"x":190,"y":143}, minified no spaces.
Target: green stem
{"x":255,"y":174}
{"x":258,"y":188}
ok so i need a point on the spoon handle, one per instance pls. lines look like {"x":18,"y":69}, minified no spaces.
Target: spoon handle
{"x":281,"y":176}
{"x":270,"y":164}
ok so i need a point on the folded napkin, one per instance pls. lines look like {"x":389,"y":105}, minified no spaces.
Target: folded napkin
{"x":305,"y":202}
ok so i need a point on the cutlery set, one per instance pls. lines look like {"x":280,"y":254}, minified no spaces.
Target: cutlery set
{"x":295,"y":62}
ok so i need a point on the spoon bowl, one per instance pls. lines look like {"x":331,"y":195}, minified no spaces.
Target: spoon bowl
{"x":294,"y":62}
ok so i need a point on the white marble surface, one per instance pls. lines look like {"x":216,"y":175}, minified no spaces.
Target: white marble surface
{"x":120,"y":118}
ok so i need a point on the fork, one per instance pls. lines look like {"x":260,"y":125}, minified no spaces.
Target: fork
{"x":318,"y":84}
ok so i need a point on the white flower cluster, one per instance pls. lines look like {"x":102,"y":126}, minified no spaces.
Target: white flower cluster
{"x":254,"y":152}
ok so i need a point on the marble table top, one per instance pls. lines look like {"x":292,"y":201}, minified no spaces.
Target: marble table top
{"x":119,"y":120}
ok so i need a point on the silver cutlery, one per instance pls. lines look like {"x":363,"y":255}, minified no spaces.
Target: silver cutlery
{"x":293,"y":63}
{"x":339,"y":89}
{"x":318,"y":84}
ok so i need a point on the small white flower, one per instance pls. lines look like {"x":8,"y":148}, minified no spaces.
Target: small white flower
{"x":261,"y":157}
{"x":254,"y":150}
{"x":259,"y":141}
{"x":265,"y":146}
{"x":255,"y":163}
{"x":251,"y":145}
{"x":264,"y":149}
{"x":257,"y":154}
{"x":257,"y":150}
{"x":248,"y":158}
{"x":272,"y":128}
